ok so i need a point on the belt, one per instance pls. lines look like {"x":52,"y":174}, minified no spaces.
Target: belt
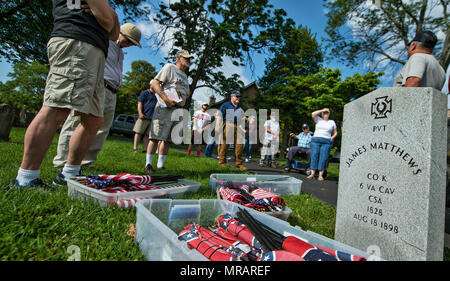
{"x":111,"y":88}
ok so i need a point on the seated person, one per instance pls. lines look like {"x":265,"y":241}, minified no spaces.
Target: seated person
{"x":303,"y":146}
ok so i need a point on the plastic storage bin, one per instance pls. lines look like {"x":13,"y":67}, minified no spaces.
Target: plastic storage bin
{"x":283,"y":215}
{"x":277,"y":184}
{"x":158,"y":222}
{"x":128,"y":199}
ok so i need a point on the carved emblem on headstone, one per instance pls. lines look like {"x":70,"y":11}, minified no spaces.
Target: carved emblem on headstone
{"x":381,"y":107}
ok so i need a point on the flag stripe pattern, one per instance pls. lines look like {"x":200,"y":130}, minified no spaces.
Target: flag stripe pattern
{"x":254,"y":198}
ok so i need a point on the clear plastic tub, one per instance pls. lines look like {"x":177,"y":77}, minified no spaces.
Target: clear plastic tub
{"x":158,"y":222}
{"x":282,"y":215}
{"x":129,"y":199}
{"x":277,"y":184}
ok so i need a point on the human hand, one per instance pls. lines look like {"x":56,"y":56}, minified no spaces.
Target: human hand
{"x":86,"y":9}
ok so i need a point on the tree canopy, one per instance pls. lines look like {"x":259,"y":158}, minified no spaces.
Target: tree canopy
{"x":26,"y":87}
{"x":376,"y":33}
{"x":134,"y":82}
{"x":215,"y":29}
{"x":25,"y":27}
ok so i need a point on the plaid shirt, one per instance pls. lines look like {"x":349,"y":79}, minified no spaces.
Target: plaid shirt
{"x":304,"y":140}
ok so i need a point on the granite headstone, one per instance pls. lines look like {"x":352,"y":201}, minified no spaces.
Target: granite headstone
{"x":6,"y":121}
{"x":392,"y":174}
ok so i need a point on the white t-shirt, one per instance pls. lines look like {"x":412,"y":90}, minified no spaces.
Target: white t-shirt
{"x":202,"y":118}
{"x":171,"y":76}
{"x":324,"y":129}
{"x":274,"y":126}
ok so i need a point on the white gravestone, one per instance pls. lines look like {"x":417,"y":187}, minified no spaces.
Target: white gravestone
{"x":392,"y":174}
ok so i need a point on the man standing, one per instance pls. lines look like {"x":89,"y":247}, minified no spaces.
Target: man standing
{"x":172,"y":78}
{"x":77,"y":49}
{"x":129,"y":36}
{"x":232,"y":115}
{"x":146,"y":106}
{"x":271,"y":142}
{"x":303,"y":146}
{"x":422,"y":69}
{"x":201,"y":120}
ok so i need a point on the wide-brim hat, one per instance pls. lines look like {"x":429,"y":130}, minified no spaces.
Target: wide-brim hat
{"x":184,"y":54}
{"x":132,"y":33}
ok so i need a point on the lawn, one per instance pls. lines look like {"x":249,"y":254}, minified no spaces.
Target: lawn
{"x":42,"y":226}
{"x":38,"y":225}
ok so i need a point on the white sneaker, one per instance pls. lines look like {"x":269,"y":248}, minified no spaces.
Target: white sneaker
{"x":246,"y":160}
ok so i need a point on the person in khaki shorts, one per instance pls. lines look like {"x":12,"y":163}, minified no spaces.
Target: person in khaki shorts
{"x":129,"y":36}
{"x":172,"y":77}
{"x":146,"y":106}
{"x":76,"y":52}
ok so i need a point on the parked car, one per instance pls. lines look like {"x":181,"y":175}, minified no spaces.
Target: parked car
{"x":124,"y":124}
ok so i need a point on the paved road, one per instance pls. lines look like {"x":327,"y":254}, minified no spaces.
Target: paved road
{"x":325,"y":191}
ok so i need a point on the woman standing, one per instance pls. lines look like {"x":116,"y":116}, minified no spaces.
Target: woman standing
{"x":321,"y":142}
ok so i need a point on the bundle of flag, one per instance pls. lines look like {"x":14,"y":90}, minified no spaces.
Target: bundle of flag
{"x":130,"y":183}
{"x":246,"y":239}
{"x":271,"y":241}
{"x":252,"y":197}
{"x":124,"y":183}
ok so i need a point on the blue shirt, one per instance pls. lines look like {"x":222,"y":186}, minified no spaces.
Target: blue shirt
{"x":238,"y":112}
{"x":148,"y":100}
{"x":304,"y":140}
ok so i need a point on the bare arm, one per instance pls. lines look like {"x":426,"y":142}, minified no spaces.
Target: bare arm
{"x":413,"y":82}
{"x":334,"y":134}
{"x":141,"y":115}
{"x":104,"y":14}
{"x":315,"y":114}
{"x":157,"y":89}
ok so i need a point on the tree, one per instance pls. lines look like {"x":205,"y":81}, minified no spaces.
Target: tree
{"x":26,"y":87}
{"x":216,"y":29}
{"x":298,"y":55}
{"x":25,"y":27}
{"x":134,"y":82}
{"x":382,"y":29}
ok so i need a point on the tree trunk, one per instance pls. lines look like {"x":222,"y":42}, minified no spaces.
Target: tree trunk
{"x":445,"y":56}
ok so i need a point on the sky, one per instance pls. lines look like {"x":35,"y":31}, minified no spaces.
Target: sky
{"x":308,"y":13}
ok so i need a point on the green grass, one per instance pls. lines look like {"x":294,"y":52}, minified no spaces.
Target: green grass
{"x":38,"y":225}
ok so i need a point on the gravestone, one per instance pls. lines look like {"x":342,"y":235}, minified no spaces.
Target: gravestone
{"x":6,"y":121}
{"x":392,"y":174}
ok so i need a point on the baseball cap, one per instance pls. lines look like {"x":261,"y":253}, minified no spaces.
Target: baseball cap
{"x":236,"y":93}
{"x":184,"y":54}
{"x":305,"y":126}
{"x":132,"y":33}
{"x":428,"y":38}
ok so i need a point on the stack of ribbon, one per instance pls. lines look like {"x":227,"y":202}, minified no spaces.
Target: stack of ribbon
{"x":252,"y":197}
{"x":232,"y":240}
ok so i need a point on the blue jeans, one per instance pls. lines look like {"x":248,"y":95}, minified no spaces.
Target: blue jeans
{"x":320,"y":150}
{"x":209,"y":149}
{"x":249,"y":150}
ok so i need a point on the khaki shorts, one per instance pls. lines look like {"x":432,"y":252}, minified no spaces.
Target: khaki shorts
{"x":162,"y":124}
{"x":142,"y":126}
{"x":75,"y":80}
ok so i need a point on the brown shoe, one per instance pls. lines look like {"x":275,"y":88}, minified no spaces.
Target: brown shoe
{"x":321,"y":178}
{"x":223,"y":165}
{"x":273,"y":165}
{"x":242,"y":168}
{"x":310,"y":177}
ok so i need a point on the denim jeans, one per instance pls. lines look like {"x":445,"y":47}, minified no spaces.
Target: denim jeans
{"x":248,"y":149}
{"x":320,"y":151}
